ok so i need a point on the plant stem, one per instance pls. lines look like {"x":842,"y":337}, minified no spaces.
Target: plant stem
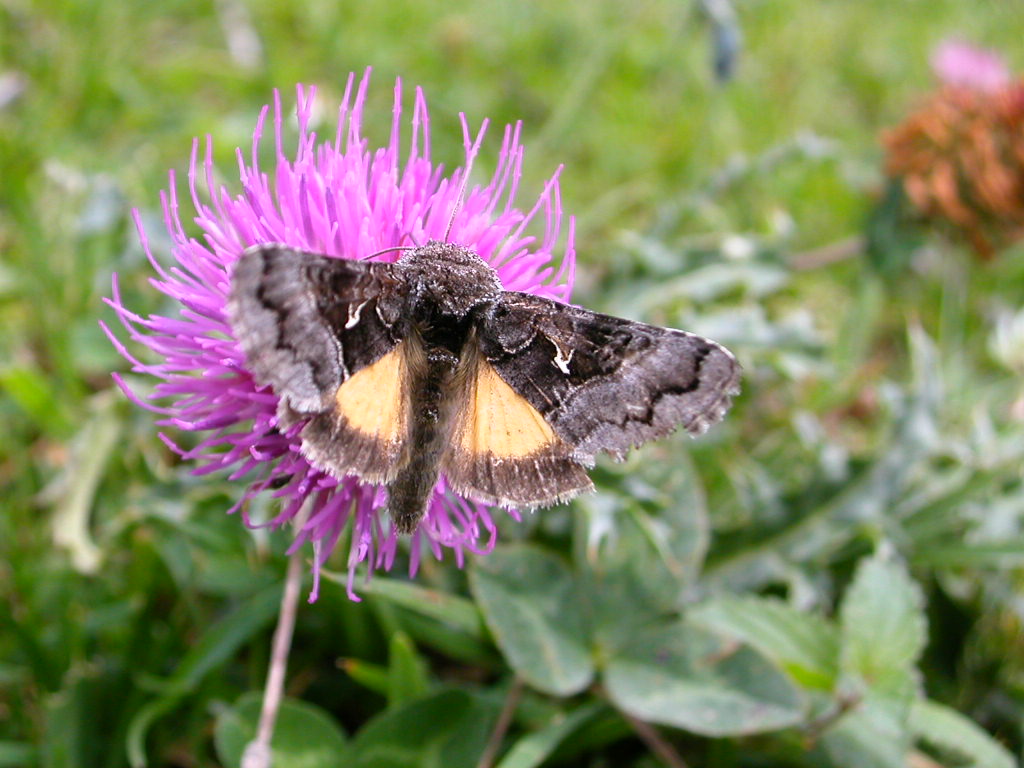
{"x":649,"y":735}
{"x":501,"y":725}
{"x":257,"y":752}
{"x":828,"y":254}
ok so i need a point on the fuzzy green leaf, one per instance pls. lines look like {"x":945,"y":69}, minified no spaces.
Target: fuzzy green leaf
{"x":882,"y":627}
{"x":684,"y":676}
{"x":533,"y":749}
{"x":871,"y":735}
{"x":803,"y":644}
{"x":953,"y":734}
{"x":445,"y":730}
{"x":531,"y":605}
{"x":305,"y":736}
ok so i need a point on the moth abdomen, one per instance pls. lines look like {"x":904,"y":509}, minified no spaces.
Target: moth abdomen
{"x":410,"y":493}
{"x":433,"y":396}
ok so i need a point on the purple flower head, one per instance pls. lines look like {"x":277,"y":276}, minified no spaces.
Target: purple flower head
{"x":341,"y":198}
{"x":963,"y":65}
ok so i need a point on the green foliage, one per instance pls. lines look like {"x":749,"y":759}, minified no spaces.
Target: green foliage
{"x":804,"y":645}
{"x":956,"y":736}
{"x":304,"y":737}
{"x":830,"y":578}
{"x":685,"y":677}
{"x":448,"y":728}
{"x":532,"y":607}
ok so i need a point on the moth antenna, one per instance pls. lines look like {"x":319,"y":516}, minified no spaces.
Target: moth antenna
{"x":471,"y":151}
{"x":458,"y":202}
{"x":375,"y":254}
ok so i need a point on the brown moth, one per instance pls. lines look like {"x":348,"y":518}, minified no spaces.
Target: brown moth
{"x":401,"y":372}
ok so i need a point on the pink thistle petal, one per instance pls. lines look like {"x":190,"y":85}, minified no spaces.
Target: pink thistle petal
{"x":961,"y":64}
{"x":348,"y":200}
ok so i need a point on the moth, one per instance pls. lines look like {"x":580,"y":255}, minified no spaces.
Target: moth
{"x":401,"y":372}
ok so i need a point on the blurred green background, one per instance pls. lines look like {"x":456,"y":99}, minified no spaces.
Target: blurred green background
{"x":831,"y":577}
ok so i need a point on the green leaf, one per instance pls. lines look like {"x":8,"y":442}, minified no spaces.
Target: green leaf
{"x":72,"y":493}
{"x":803,"y":644}
{"x":444,"y":730}
{"x":13,"y":674}
{"x":627,"y":580}
{"x":952,"y":734}
{"x":440,"y":620}
{"x":70,"y":735}
{"x":1008,"y":553}
{"x":448,"y":640}
{"x":36,"y":394}
{"x":305,"y":736}
{"x":407,"y":672}
{"x":141,"y":723}
{"x":893,"y":235}
{"x":63,"y":745}
{"x":222,"y":639}
{"x":665,"y":501}
{"x":686,"y":530}
{"x":215,"y":647}
{"x":684,"y":676}
{"x":872,"y":735}
{"x":16,"y":754}
{"x":882,"y":628}
{"x":863,"y":500}
{"x":532,"y":750}
{"x":372,"y":676}
{"x":882,"y":634}
{"x":531,"y":605}
{"x":442,"y":606}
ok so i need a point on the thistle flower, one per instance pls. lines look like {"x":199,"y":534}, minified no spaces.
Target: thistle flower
{"x":960,"y":157}
{"x":963,"y":65}
{"x":343,"y":199}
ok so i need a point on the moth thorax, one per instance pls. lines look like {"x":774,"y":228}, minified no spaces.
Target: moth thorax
{"x":449,"y":278}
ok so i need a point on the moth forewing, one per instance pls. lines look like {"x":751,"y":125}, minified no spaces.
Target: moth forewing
{"x":366,"y":430}
{"x":290,"y":311}
{"x":502,"y":450}
{"x":603,"y":383}
{"x":265,"y":306}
